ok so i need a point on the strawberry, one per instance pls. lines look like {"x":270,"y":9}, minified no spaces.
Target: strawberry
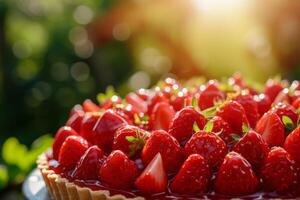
{"x":161,"y":116}
{"x":180,"y":99}
{"x":75,"y":109}
{"x":209,"y":94}
{"x":75,"y":119}
{"x":283,"y":109}
{"x":71,"y":151}
{"x":88,"y":122}
{"x":89,"y":164}
{"x":296,"y":103}
{"x":129,"y":139}
{"x":111,"y":102}
{"x":271,"y":129}
{"x":138,"y":104}
{"x":292,"y":143}
{"x":263,"y":103}
{"x":235,"y":176}
{"x":252,"y":147}
{"x":272,"y":88}
{"x":153,"y":179}
{"x":105,"y":129}
{"x":118,"y":171}
{"x":250,"y":107}
{"x":283,"y":96}
{"x":161,"y":142}
{"x":234,"y":114}
{"x":125,"y":112}
{"x":158,"y":97}
{"x":182,"y":124}
{"x":279,"y":170}
{"x":208,"y":145}
{"x":222,"y":127}
{"x":59,"y":139}
{"x":193,"y":176}
{"x":144,"y":94}
{"x":89,"y":106}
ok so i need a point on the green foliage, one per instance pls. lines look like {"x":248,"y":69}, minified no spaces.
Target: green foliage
{"x":19,"y":160}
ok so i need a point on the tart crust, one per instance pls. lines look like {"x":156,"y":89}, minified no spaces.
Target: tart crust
{"x":61,"y":189}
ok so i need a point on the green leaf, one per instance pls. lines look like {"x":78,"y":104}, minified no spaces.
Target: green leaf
{"x":209,"y":126}
{"x":236,"y":137}
{"x":130,"y":138}
{"x":137,"y":119}
{"x":288,"y":123}
{"x":3,"y":176}
{"x":102,"y":97}
{"x":196,"y":127}
{"x":195,"y":103}
{"x":245,"y":128}
{"x":209,"y":111}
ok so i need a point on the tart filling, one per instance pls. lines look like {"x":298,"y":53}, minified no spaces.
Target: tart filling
{"x":198,"y":140}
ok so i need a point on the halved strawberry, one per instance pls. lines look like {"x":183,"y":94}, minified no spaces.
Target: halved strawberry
{"x":59,"y":139}
{"x":271,"y":128}
{"x":182,"y":124}
{"x":222,"y":127}
{"x":161,"y":142}
{"x":161,"y":116}
{"x":75,"y":120}
{"x":129,"y":139}
{"x":153,"y":179}
{"x":250,"y":107}
{"x":209,"y":94}
{"x":263,"y":103}
{"x":279,"y":170}
{"x":193,"y":176}
{"x":89,"y":164}
{"x":252,"y":147}
{"x":71,"y":151}
{"x":236,"y":176}
{"x":89,"y":106}
{"x":118,"y":171}
{"x":234,"y":114}
{"x":105,"y":129}
{"x":87,"y":125}
{"x":208,"y":145}
{"x":292,"y":144}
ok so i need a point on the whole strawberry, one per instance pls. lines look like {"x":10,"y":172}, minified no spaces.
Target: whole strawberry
{"x":222,"y":127}
{"x":234,"y":114}
{"x":296,"y":104}
{"x":105,"y":129}
{"x":87,"y":125}
{"x":71,"y":151}
{"x":118,"y":171}
{"x":138,"y":104}
{"x":235,"y":176}
{"x":271,"y":128}
{"x":263,"y":103}
{"x":208,"y":145}
{"x":283,"y":109}
{"x":153,"y":179}
{"x":89,"y":164}
{"x":209,"y":94}
{"x":253,"y":148}
{"x":75,"y":119}
{"x":182,"y":124}
{"x":89,"y":106}
{"x":162,"y":142}
{"x":272,"y":88}
{"x":193,"y":176}
{"x":59,"y":139}
{"x":161,"y":116}
{"x":130,"y":140}
{"x":279,"y":170}
{"x":250,"y":107}
{"x":292,"y":144}
{"x":158,"y":97}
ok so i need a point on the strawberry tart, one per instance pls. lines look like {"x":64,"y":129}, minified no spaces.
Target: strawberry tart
{"x":198,"y":139}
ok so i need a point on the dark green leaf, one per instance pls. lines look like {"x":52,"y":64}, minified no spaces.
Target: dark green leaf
{"x":288,"y":123}
{"x":236,"y":137}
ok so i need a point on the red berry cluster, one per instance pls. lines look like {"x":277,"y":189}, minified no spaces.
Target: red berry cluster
{"x":227,"y":137}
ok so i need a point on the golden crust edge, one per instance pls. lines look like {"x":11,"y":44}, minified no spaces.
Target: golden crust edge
{"x":61,"y":189}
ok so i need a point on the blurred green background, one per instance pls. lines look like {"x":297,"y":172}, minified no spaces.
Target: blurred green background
{"x":54,"y":54}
